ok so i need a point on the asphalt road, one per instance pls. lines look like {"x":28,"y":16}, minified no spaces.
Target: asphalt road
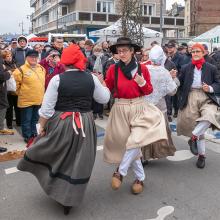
{"x":174,"y":190}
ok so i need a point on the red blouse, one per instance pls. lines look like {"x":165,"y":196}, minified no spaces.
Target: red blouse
{"x":128,"y":89}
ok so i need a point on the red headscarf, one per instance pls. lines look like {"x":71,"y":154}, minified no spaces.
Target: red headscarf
{"x":198,"y":63}
{"x":72,"y":55}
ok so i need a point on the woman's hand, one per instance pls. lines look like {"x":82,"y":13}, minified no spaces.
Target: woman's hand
{"x":173,"y":73}
{"x":42,"y":131}
{"x":139,"y":80}
{"x":205,"y":87}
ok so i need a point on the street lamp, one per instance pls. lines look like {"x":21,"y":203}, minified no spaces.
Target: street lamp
{"x":177,"y":29}
{"x":32,"y":26}
{"x":21,"y":24}
{"x":161,"y":16}
{"x":57,"y":18}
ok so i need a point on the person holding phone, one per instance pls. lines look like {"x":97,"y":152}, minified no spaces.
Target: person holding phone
{"x":52,"y":66}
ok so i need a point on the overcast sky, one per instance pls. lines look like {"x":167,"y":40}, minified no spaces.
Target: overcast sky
{"x":13,"y":12}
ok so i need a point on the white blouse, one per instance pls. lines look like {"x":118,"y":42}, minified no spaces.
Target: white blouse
{"x":197,"y":80}
{"x":101,"y":95}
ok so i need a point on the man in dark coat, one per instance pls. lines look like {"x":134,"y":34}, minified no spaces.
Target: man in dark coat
{"x":57,"y":45}
{"x":170,"y":66}
{"x":216,"y":57}
{"x":179,"y":60}
{"x":4,"y":75}
{"x":19,"y":53}
{"x":198,"y":103}
{"x":208,"y":58}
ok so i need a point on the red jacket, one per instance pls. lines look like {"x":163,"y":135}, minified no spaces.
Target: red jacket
{"x":57,"y":70}
{"x":128,"y":89}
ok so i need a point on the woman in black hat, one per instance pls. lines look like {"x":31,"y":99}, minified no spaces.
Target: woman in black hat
{"x":133,"y":123}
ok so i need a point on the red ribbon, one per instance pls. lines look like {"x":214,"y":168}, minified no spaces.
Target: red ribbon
{"x":76,"y":117}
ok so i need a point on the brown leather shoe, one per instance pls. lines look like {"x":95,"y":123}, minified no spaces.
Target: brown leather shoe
{"x":116,"y":180}
{"x":137,"y":187}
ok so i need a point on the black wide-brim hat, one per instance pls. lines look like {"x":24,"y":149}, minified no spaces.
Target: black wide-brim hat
{"x":124,"y":41}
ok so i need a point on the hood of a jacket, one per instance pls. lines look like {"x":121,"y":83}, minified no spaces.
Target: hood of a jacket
{"x":22,"y":36}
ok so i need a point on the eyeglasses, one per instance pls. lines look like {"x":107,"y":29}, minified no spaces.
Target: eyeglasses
{"x":196,"y":51}
{"x":123,"y":51}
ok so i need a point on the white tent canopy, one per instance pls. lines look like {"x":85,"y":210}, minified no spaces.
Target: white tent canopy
{"x":115,"y":30}
{"x":30,"y":36}
{"x":212,"y":36}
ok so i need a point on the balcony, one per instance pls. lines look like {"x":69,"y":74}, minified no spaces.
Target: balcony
{"x":33,"y":2}
{"x":66,"y":1}
{"x":44,"y":8}
{"x":103,"y":20}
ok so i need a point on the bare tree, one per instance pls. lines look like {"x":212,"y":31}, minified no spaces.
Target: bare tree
{"x":131,"y":17}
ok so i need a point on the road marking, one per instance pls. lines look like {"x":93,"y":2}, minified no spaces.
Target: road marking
{"x":15,"y":170}
{"x":11,"y":170}
{"x":181,"y":155}
{"x":163,"y":213}
{"x":99,"y":147}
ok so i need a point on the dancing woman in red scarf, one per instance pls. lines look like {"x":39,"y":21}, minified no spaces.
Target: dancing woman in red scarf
{"x":199,"y":84}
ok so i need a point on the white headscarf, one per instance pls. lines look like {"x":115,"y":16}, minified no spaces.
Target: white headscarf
{"x":157,"y":55}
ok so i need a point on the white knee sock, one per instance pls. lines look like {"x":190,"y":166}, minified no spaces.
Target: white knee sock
{"x":201,"y":128}
{"x":201,"y":146}
{"x":138,"y":170}
{"x":129,"y":157}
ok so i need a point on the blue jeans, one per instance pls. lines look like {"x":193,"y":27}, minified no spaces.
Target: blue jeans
{"x":29,"y":119}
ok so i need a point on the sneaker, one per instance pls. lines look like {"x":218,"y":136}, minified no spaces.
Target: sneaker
{"x":169,"y":118}
{"x":3,"y":149}
{"x":193,"y":145}
{"x":175,"y":114}
{"x":116,"y":180}
{"x":137,"y":187}
{"x":6,"y":132}
{"x":9,"y":126}
{"x":30,"y":142}
{"x":201,"y":162}
{"x":107,"y":114}
{"x":144,"y":162}
{"x":101,"y":116}
{"x":94,"y":116}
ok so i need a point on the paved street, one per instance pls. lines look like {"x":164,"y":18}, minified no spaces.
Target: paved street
{"x":174,"y":189}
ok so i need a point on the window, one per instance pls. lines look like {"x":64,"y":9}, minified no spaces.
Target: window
{"x":145,"y":9}
{"x":64,"y":10}
{"x":148,"y":9}
{"x":98,"y":6}
{"x":105,"y":6}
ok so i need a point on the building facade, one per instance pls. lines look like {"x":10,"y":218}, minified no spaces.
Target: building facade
{"x":201,"y":16}
{"x":83,"y":16}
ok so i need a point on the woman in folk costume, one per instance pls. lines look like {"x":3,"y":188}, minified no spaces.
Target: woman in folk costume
{"x":62,"y":158}
{"x":163,"y":84}
{"x":199,"y":106}
{"x":133,"y":123}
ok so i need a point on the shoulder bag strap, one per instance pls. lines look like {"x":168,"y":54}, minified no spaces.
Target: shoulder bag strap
{"x":116,"y":78}
{"x":139,"y":69}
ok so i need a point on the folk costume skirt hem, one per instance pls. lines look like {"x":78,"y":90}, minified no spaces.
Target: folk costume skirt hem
{"x":199,"y":108}
{"x":160,"y":149}
{"x":62,"y":161}
{"x":133,"y":123}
